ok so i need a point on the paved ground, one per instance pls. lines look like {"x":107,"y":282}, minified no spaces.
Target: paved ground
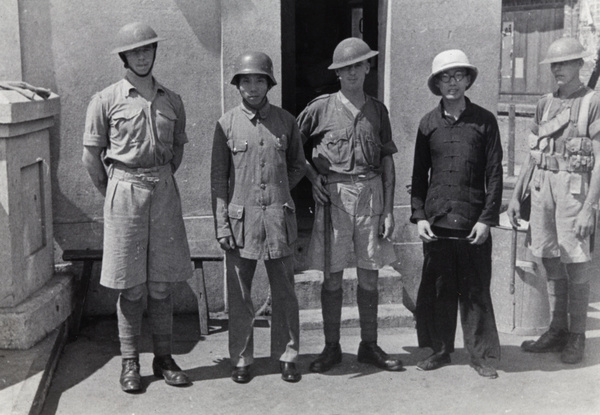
{"x":86,"y":379}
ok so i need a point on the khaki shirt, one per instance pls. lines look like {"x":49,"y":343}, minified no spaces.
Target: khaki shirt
{"x":345,"y":143}
{"x":135,"y":132}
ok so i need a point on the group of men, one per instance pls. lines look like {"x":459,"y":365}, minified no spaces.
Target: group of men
{"x":133,"y":144}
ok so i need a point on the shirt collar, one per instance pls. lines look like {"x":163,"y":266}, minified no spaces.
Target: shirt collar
{"x":261,"y":113}
{"x":127,"y":87}
{"x":444,"y":114}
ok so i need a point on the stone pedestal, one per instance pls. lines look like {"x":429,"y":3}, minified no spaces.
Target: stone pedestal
{"x":33,"y":301}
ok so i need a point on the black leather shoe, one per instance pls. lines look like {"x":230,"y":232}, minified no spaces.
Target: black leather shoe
{"x":435,"y":361}
{"x":573,"y":351}
{"x":165,"y":367}
{"x":554,"y":340}
{"x":329,"y":357}
{"x":240,"y":374}
{"x":130,"y":380}
{"x":370,"y":352}
{"x":484,"y":368}
{"x":289,"y":373}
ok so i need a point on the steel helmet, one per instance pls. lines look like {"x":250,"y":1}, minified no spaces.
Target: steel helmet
{"x":135,"y":35}
{"x":450,"y":59}
{"x":349,"y":51}
{"x":565,"y":49}
{"x":253,"y":63}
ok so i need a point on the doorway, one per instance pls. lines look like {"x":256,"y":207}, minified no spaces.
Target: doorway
{"x":318,"y":26}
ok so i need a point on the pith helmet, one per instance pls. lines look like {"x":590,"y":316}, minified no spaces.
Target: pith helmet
{"x":135,"y":35}
{"x":450,"y":59}
{"x":253,"y":63}
{"x":349,"y":51}
{"x":565,"y":49}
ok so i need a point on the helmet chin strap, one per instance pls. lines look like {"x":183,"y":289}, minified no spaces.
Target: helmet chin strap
{"x":127,"y":66}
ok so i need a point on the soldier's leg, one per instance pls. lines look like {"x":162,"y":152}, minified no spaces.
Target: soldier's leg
{"x":160,"y":313}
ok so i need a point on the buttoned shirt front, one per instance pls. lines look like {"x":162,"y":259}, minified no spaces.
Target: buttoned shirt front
{"x":257,"y":158}
{"x":342,"y":142}
{"x":457,"y":172}
{"x":135,"y":132}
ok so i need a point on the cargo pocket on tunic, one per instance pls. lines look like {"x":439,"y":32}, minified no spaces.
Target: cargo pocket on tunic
{"x":236,"y":221}
{"x":291,"y":226}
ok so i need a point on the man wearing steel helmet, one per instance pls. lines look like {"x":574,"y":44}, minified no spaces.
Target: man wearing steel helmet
{"x":257,"y":158}
{"x":352,"y":170}
{"x":455,"y":199}
{"x":564,"y":188}
{"x":133,"y":143}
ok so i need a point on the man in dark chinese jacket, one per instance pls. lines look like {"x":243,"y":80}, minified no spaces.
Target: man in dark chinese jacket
{"x":456,"y":196}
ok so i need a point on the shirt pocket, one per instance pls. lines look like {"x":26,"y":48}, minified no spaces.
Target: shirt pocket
{"x":165,"y":125}
{"x":128,"y":127}
{"x":337,"y":146}
{"x":237,"y":145}
{"x":236,"y":222}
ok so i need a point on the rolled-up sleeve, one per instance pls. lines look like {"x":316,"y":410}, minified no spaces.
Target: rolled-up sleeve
{"x":95,"y":133}
{"x":179,"y":135}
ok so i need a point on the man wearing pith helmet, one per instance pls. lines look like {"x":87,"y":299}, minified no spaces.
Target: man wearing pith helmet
{"x":455,"y":199}
{"x":133,"y":144}
{"x":563,"y":179}
{"x":352,"y":169}
{"x":257,"y":158}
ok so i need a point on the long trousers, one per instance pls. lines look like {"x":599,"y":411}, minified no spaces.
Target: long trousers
{"x":456,"y":273}
{"x":285,"y":320}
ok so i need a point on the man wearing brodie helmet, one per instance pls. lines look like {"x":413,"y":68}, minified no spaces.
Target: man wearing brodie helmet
{"x":133,"y":143}
{"x":564,"y":183}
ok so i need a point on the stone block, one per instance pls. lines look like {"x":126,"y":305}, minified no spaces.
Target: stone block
{"x":24,"y":325}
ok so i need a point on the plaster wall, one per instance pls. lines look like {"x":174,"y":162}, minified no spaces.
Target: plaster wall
{"x":66,"y":47}
{"x":419,"y":31}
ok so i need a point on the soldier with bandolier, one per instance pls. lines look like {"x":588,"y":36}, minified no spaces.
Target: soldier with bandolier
{"x":564,"y":184}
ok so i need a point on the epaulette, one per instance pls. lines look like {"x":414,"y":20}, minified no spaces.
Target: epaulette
{"x":320,"y":97}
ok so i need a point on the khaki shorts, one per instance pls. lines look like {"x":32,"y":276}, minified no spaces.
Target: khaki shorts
{"x":556,"y":199}
{"x":144,"y":233}
{"x":355,"y":212}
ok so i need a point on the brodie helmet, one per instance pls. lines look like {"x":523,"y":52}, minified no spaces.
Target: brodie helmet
{"x":350,"y":51}
{"x":565,"y":49}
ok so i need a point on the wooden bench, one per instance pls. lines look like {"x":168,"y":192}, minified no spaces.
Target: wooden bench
{"x":90,"y":256}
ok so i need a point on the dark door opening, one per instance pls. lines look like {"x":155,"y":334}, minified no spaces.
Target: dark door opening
{"x":319,"y":26}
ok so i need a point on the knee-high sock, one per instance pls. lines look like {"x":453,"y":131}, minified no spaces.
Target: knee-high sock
{"x":558,"y":296}
{"x":579,"y":298}
{"x":160,"y":313}
{"x":367,"y":311}
{"x":129,"y":322}
{"x":331,"y":303}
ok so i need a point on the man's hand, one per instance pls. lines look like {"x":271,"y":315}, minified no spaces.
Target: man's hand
{"x":514,"y":212}
{"x":479,"y":233}
{"x":227,"y":243}
{"x":585,"y":221}
{"x":386,"y":225}
{"x":425,"y":232}
{"x":319,"y":191}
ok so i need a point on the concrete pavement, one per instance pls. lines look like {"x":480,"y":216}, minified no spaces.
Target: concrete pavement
{"x":86,"y":378}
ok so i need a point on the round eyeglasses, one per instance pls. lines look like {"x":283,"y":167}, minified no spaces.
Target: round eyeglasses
{"x":446,"y":77}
